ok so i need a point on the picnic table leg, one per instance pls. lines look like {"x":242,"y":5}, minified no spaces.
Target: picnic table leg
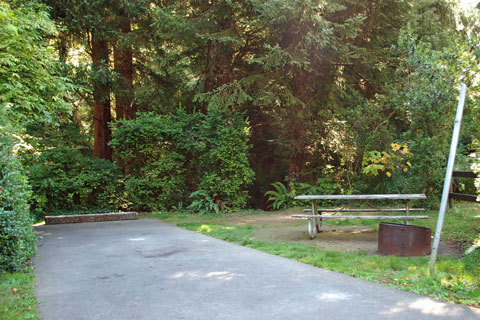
{"x":320,"y":227}
{"x":313,"y":227}
{"x":407,"y":210}
{"x":315,"y":208}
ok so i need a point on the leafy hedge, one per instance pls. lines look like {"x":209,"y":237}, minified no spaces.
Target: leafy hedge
{"x":63,"y":175}
{"x":182,"y":161}
{"x":64,"y":179}
{"x":17,"y":241}
{"x":174,"y":160}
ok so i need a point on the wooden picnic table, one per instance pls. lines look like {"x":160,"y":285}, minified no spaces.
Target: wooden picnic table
{"x":314,"y":218}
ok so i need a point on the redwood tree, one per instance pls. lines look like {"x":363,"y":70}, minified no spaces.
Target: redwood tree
{"x":101,"y":99}
{"x":123,"y":63}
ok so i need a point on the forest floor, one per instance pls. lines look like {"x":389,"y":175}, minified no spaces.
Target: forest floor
{"x":342,"y":236}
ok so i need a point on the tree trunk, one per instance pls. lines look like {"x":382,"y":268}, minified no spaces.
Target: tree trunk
{"x":210,"y":66}
{"x":298,"y":126}
{"x":123,"y":65}
{"x":101,"y":101}
{"x":298,"y":142}
{"x":295,"y":166}
{"x":219,"y":59}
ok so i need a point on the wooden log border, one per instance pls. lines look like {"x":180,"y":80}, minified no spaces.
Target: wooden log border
{"x":97,"y":217}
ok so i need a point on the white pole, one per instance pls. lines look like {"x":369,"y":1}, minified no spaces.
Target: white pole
{"x":448,"y":176}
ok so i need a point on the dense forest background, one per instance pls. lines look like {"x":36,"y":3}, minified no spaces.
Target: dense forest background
{"x":205,"y":106}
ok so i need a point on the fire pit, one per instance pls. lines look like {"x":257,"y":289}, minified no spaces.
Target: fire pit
{"x":404,"y":240}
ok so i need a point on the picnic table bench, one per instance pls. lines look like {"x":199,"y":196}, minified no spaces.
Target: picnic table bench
{"x":318,"y":215}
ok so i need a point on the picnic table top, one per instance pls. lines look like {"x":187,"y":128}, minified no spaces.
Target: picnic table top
{"x":363,"y":197}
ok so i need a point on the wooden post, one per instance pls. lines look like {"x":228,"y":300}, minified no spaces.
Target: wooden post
{"x":450,"y":200}
{"x":448,"y":177}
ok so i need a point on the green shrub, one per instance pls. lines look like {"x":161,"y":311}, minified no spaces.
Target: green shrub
{"x":280,"y":198}
{"x":324,"y":185}
{"x":64,"y":179}
{"x":202,"y":203}
{"x":17,"y":242}
{"x":424,"y":99}
{"x":169,"y":157}
{"x":148,"y":149}
{"x":159,"y":186}
{"x":222,"y":146}
{"x":476,"y":168}
{"x":283,"y":198}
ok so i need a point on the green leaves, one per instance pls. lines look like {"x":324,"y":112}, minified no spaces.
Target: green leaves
{"x":169,"y":157}
{"x":280,"y":198}
{"x":30,"y":85}
{"x":283,"y":197}
{"x":30,"y":90}
{"x":202,"y":203}
{"x":17,"y":242}
{"x":387,"y":161}
{"x":64,"y":179}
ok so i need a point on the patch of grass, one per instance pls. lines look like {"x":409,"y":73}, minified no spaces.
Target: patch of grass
{"x":17,"y":300}
{"x":459,"y":226}
{"x":179,"y":217}
{"x":456,"y":280}
{"x":242,"y":235}
{"x":355,"y":222}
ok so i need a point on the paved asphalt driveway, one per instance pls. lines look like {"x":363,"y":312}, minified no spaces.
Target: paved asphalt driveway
{"x":147,"y":269}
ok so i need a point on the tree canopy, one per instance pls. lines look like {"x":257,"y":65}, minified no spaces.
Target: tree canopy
{"x":203,"y":105}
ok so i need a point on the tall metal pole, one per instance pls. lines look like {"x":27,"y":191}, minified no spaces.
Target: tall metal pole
{"x":448,"y":177}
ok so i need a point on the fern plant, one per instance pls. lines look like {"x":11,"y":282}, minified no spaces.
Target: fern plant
{"x":280,"y":198}
{"x":202,"y":203}
{"x":284,"y":198}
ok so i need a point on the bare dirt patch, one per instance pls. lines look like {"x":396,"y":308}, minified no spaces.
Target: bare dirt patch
{"x":281,"y":227}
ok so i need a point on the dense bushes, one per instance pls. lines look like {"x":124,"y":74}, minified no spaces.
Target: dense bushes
{"x":167,"y":158}
{"x":321,"y":100}
{"x":64,"y":177}
{"x":148,"y":149}
{"x":30,"y":90}
{"x":182,"y":161}
{"x":221,"y":152}
{"x":17,"y":242}
{"x":476,"y":166}
{"x":418,"y":112}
